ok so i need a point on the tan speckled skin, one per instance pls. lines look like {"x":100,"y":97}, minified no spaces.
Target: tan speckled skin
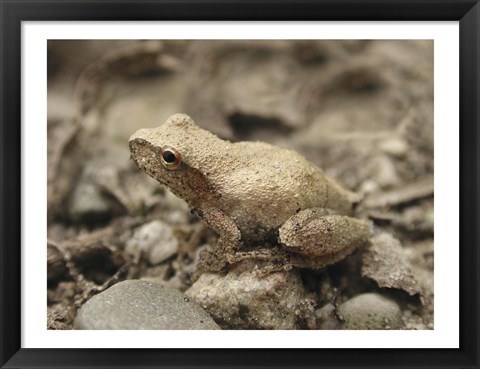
{"x":251,"y":186}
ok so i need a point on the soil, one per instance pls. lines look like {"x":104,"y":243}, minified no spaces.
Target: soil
{"x":360,"y":109}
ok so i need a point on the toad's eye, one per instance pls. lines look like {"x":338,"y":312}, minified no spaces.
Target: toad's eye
{"x":170,"y":158}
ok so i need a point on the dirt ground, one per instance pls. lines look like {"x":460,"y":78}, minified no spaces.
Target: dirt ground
{"x":362,"y":110}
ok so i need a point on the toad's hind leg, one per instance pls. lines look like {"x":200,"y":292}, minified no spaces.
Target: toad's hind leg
{"x":322,"y":236}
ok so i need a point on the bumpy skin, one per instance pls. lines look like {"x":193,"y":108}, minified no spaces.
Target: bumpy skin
{"x":251,"y":194}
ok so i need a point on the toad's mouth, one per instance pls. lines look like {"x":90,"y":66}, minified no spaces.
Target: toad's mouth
{"x":145,"y":156}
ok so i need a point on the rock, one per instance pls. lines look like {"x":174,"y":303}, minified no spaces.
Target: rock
{"x":385,"y":173}
{"x":56,"y":264}
{"x":326,"y":318}
{"x":89,"y":203}
{"x":394,"y":146}
{"x":386,"y":262}
{"x":156,"y":240}
{"x":138,"y":304}
{"x":243,"y":300}
{"x":370,"y":311}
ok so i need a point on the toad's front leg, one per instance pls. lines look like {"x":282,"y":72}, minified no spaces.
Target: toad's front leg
{"x":229,"y":240}
{"x":323,"y":237}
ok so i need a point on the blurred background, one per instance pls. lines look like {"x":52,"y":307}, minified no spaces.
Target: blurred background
{"x":360,"y":109}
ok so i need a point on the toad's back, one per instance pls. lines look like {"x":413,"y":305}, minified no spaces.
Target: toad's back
{"x":267,"y":184}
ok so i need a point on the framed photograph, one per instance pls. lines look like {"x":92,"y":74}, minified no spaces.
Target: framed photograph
{"x":239,"y":184}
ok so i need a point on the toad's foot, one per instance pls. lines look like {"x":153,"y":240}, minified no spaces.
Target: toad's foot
{"x":210,"y":262}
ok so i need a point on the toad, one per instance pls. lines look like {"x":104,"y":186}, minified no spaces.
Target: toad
{"x":263,"y":201}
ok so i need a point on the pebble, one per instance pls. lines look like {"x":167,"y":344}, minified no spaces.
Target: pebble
{"x":386,"y":173}
{"x":136,"y":304}
{"x":394,"y":146}
{"x":56,"y":263}
{"x":243,"y":300}
{"x":386,"y":262}
{"x":326,"y":318}
{"x":370,"y":311}
{"x":156,"y":240}
{"x":88,"y":203}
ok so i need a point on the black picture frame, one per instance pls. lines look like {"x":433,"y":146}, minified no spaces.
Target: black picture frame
{"x":467,"y":12}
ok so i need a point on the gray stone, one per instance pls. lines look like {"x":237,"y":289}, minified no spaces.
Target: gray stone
{"x":88,"y":203}
{"x":370,"y":311}
{"x":326,"y":318}
{"x":386,"y":262}
{"x":138,"y":304}
{"x":56,"y":263}
{"x":243,"y":300}
{"x":156,"y":240}
{"x":394,"y":146}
